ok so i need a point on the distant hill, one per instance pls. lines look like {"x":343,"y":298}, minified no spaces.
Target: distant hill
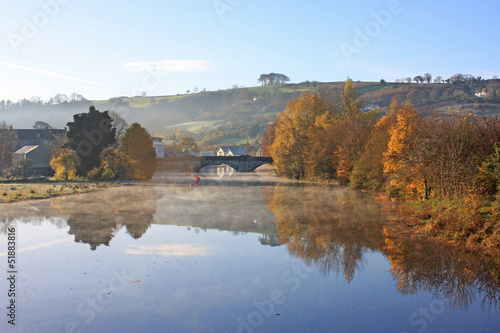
{"x":241,"y":115}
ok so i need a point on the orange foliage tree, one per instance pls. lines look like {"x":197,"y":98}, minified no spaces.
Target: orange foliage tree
{"x":292,"y":126}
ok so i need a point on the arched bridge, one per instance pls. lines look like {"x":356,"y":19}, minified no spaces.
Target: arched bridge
{"x":195,"y":163}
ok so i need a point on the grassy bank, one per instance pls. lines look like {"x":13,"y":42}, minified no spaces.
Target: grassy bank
{"x":18,"y":190}
{"x":472,"y":221}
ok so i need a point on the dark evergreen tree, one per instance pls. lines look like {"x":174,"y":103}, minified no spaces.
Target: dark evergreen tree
{"x":89,"y":134}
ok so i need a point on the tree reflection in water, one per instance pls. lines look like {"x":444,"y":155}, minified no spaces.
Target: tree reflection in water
{"x":97,"y":217}
{"x":328,"y":228}
{"x":459,"y":276}
{"x":332,"y":229}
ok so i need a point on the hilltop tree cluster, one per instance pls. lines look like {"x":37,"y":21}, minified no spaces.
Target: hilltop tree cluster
{"x":272,"y":79}
{"x":456,"y":78}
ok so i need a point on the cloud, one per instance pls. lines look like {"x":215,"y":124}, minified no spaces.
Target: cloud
{"x":36,"y":247}
{"x":170,"y":250}
{"x":168,"y":65}
{"x":54,"y":74}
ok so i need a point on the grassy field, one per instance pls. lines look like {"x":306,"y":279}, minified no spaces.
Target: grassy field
{"x":464,"y":108}
{"x":11,"y":192}
{"x":232,"y":142}
{"x":194,"y":126}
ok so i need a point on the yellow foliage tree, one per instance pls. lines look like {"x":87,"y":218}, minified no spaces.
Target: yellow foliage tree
{"x":355,"y":129}
{"x":405,"y":162}
{"x":64,"y":163}
{"x":350,"y":103}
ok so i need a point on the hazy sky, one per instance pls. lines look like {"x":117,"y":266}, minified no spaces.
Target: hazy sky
{"x":103,"y":48}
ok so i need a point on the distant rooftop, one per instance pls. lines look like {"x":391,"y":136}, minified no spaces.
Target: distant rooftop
{"x":236,"y":150}
{"x":25,"y":150}
{"x":33,"y":134}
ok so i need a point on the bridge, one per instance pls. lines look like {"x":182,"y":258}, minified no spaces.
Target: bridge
{"x":195,"y":163}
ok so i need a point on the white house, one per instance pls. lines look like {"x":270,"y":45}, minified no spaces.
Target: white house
{"x":159,"y":147}
{"x":230,"y":151}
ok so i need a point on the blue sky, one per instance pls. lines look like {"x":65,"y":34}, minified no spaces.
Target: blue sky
{"x":103,"y":49}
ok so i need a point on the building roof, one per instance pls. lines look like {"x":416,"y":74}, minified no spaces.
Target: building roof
{"x":25,"y":150}
{"x":189,"y":152}
{"x":34,"y":134}
{"x":236,"y":150}
{"x":207,"y":153}
{"x":171,"y":153}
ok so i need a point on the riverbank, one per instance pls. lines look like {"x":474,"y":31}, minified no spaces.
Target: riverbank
{"x":22,"y":190}
{"x":472,"y":221}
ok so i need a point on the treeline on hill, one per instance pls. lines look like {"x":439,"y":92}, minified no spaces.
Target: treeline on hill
{"x":449,"y":162}
{"x":461,"y":88}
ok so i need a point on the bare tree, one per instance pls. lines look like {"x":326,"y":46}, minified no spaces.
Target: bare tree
{"x":119,"y":124}
{"x":418,"y":79}
{"x":74,"y":97}
{"x":7,"y":138}
{"x":427,"y":77}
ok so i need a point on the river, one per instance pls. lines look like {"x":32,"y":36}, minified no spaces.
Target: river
{"x":245,"y":253}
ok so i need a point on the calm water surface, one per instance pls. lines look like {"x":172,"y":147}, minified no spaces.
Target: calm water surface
{"x":238,"y":254}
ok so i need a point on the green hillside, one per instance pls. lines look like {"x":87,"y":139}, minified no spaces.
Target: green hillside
{"x":241,"y":115}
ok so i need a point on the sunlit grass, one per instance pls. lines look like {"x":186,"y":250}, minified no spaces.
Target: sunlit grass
{"x":11,"y":192}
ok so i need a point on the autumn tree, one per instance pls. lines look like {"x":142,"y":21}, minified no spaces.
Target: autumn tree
{"x":414,"y":97}
{"x":138,"y":146}
{"x":65,"y":163}
{"x":353,"y":129}
{"x":405,"y":164}
{"x":188,"y":142}
{"x":291,"y":138}
{"x":350,"y":103}
{"x":114,"y":164}
{"x":398,"y":98}
{"x":368,"y":170}
{"x":268,"y":139}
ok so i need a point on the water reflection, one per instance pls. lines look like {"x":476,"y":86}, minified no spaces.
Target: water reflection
{"x":333,"y":229}
{"x":330,"y":228}
{"x":95,"y":219}
{"x":456,"y":275}
{"x":232,"y":208}
{"x":326,"y":227}
{"x":270,"y":240}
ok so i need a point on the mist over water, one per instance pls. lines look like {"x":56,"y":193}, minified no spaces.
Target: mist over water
{"x":236,"y":252}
